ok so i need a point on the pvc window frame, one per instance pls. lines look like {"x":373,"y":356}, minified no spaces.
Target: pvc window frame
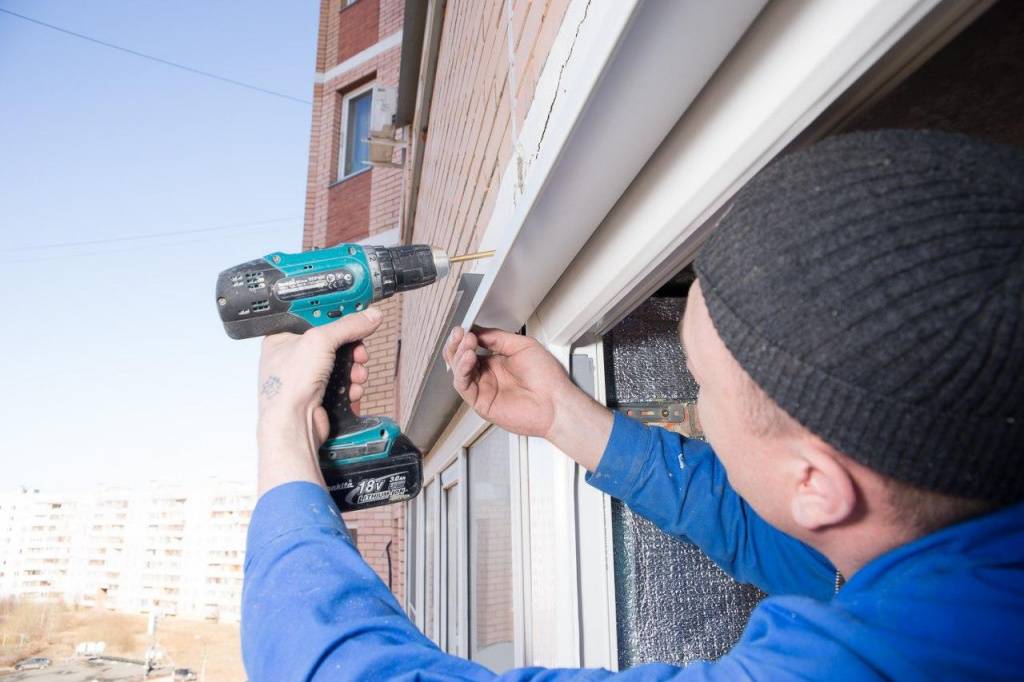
{"x":445,"y":468}
{"x":452,"y":491}
{"x":343,"y":142}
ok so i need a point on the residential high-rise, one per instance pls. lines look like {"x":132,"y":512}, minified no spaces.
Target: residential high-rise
{"x":177,"y":549}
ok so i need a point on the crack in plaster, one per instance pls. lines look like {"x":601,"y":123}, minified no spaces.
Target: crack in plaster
{"x":558,"y":83}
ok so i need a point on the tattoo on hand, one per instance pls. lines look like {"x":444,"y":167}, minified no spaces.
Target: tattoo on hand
{"x":270,"y":387}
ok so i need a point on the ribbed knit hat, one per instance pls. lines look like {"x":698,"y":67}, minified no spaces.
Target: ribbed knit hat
{"x":873,"y":286}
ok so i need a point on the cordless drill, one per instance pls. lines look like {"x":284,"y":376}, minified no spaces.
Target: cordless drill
{"x":366,"y":461}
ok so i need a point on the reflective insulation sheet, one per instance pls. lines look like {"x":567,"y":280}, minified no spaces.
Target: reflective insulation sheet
{"x":673,"y":604}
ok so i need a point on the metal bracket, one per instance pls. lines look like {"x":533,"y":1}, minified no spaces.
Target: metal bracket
{"x":674,"y":416}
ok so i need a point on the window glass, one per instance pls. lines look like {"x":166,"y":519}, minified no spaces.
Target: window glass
{"x":413,"y":573}
{"x":544,"y":568}
{"x":452,"y":569}
{"x":490,"y":552}
{"x":357,"y":151}
{"x":429,"y":549}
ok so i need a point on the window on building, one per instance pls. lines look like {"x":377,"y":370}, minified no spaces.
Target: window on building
{"x":491,"y":618}
{"x":355,"y":129}
{"x":451,"y":569}
{"x":452,"y":560}
{"x":429,"y":551}
{"x":412,"y":585}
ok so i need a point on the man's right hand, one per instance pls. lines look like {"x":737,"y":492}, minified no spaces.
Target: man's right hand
{"x":522,"y":388}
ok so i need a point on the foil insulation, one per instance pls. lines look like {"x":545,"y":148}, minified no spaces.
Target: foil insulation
{"x":674,"y":605}
{"x":646,"y":357}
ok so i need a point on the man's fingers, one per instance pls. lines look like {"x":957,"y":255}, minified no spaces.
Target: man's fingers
{"x":360,"y":354}
{"x":359,"y":373}
{"x":502,"y":342}
{"x":464,"y":371}
{"x":351,"y":327}
{"x":355,"y":392}
{"x":454,"y":337}
{"x":467,"y":345}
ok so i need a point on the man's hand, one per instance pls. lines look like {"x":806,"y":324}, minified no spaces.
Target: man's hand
{"x":294,"y":370}
{"x":522,"y":388}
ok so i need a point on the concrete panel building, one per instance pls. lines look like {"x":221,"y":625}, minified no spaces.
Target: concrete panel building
{"x":176,"y":550}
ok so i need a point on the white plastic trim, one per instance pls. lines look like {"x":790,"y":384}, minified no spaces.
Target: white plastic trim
{"x":614,"y":99}
{"x":796,"y":60}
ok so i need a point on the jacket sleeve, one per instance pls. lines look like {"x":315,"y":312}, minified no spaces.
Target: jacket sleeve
{"x":680,"y":485}
{"x":312,"y":609}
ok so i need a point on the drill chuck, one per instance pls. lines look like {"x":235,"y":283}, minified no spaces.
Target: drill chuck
{"x":403,"y":268}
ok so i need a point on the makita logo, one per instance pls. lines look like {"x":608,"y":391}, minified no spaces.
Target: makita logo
{"x":376,"y":489}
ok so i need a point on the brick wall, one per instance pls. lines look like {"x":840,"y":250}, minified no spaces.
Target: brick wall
{"x":348,"y":209}
{"x":357,"y":27}
{"x":354,"y":209}
{"x":468,"y":145}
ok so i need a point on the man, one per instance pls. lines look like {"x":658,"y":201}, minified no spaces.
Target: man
{"x":857,"y":334}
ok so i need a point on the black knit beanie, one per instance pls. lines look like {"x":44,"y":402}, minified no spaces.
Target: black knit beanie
{"x":873,"y":286}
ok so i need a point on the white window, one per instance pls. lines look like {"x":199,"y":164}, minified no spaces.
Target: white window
{"x":354,"y":150}
{"x":430,"y":587}
{"x":491,"y":579}
{"x":451,"y":566}
{"x":466,"y":590}
{"x":413,"y":513}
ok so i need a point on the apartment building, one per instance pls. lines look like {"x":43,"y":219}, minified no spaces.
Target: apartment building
{"x":593,"y":145}
{"x":176,"y":550}
{"x":348,"y":199}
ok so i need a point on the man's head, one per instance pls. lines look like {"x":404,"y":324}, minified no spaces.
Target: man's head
{"x":856,"y":334}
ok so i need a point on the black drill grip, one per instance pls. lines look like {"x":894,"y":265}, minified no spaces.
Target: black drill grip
{"x":336,"y":397}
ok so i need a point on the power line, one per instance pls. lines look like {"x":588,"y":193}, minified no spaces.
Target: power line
{"x":160,"y":60}
{"x":136,"y":237}
{"x":106,"y":252}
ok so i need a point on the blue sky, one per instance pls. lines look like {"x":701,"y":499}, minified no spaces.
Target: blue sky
{"x":113,"y":361}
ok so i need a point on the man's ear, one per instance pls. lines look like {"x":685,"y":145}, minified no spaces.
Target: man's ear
{"x":825,"y":493}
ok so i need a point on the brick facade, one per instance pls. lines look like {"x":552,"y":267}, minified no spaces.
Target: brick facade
{"x":348,"y":209}
{"x":469,"y":144}
{"x":354,"y":209}
{"x":358,"y":27}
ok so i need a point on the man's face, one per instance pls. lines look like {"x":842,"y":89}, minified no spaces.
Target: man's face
{"x":725,"y":417}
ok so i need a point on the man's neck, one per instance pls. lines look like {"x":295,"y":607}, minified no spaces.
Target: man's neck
{"x":850,"y":548}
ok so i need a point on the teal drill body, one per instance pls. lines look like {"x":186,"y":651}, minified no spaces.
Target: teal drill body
{"x":366,"y":461}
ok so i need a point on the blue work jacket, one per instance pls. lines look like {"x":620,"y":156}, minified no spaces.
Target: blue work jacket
{"x":947,"y":606}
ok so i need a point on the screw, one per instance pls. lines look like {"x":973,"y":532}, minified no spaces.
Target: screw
{"x":316,"y":313}
{"x":222,"y":301}
{"x":276,"y":259}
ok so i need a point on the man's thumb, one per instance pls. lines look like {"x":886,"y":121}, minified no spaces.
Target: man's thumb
{"x":353,"y":327}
